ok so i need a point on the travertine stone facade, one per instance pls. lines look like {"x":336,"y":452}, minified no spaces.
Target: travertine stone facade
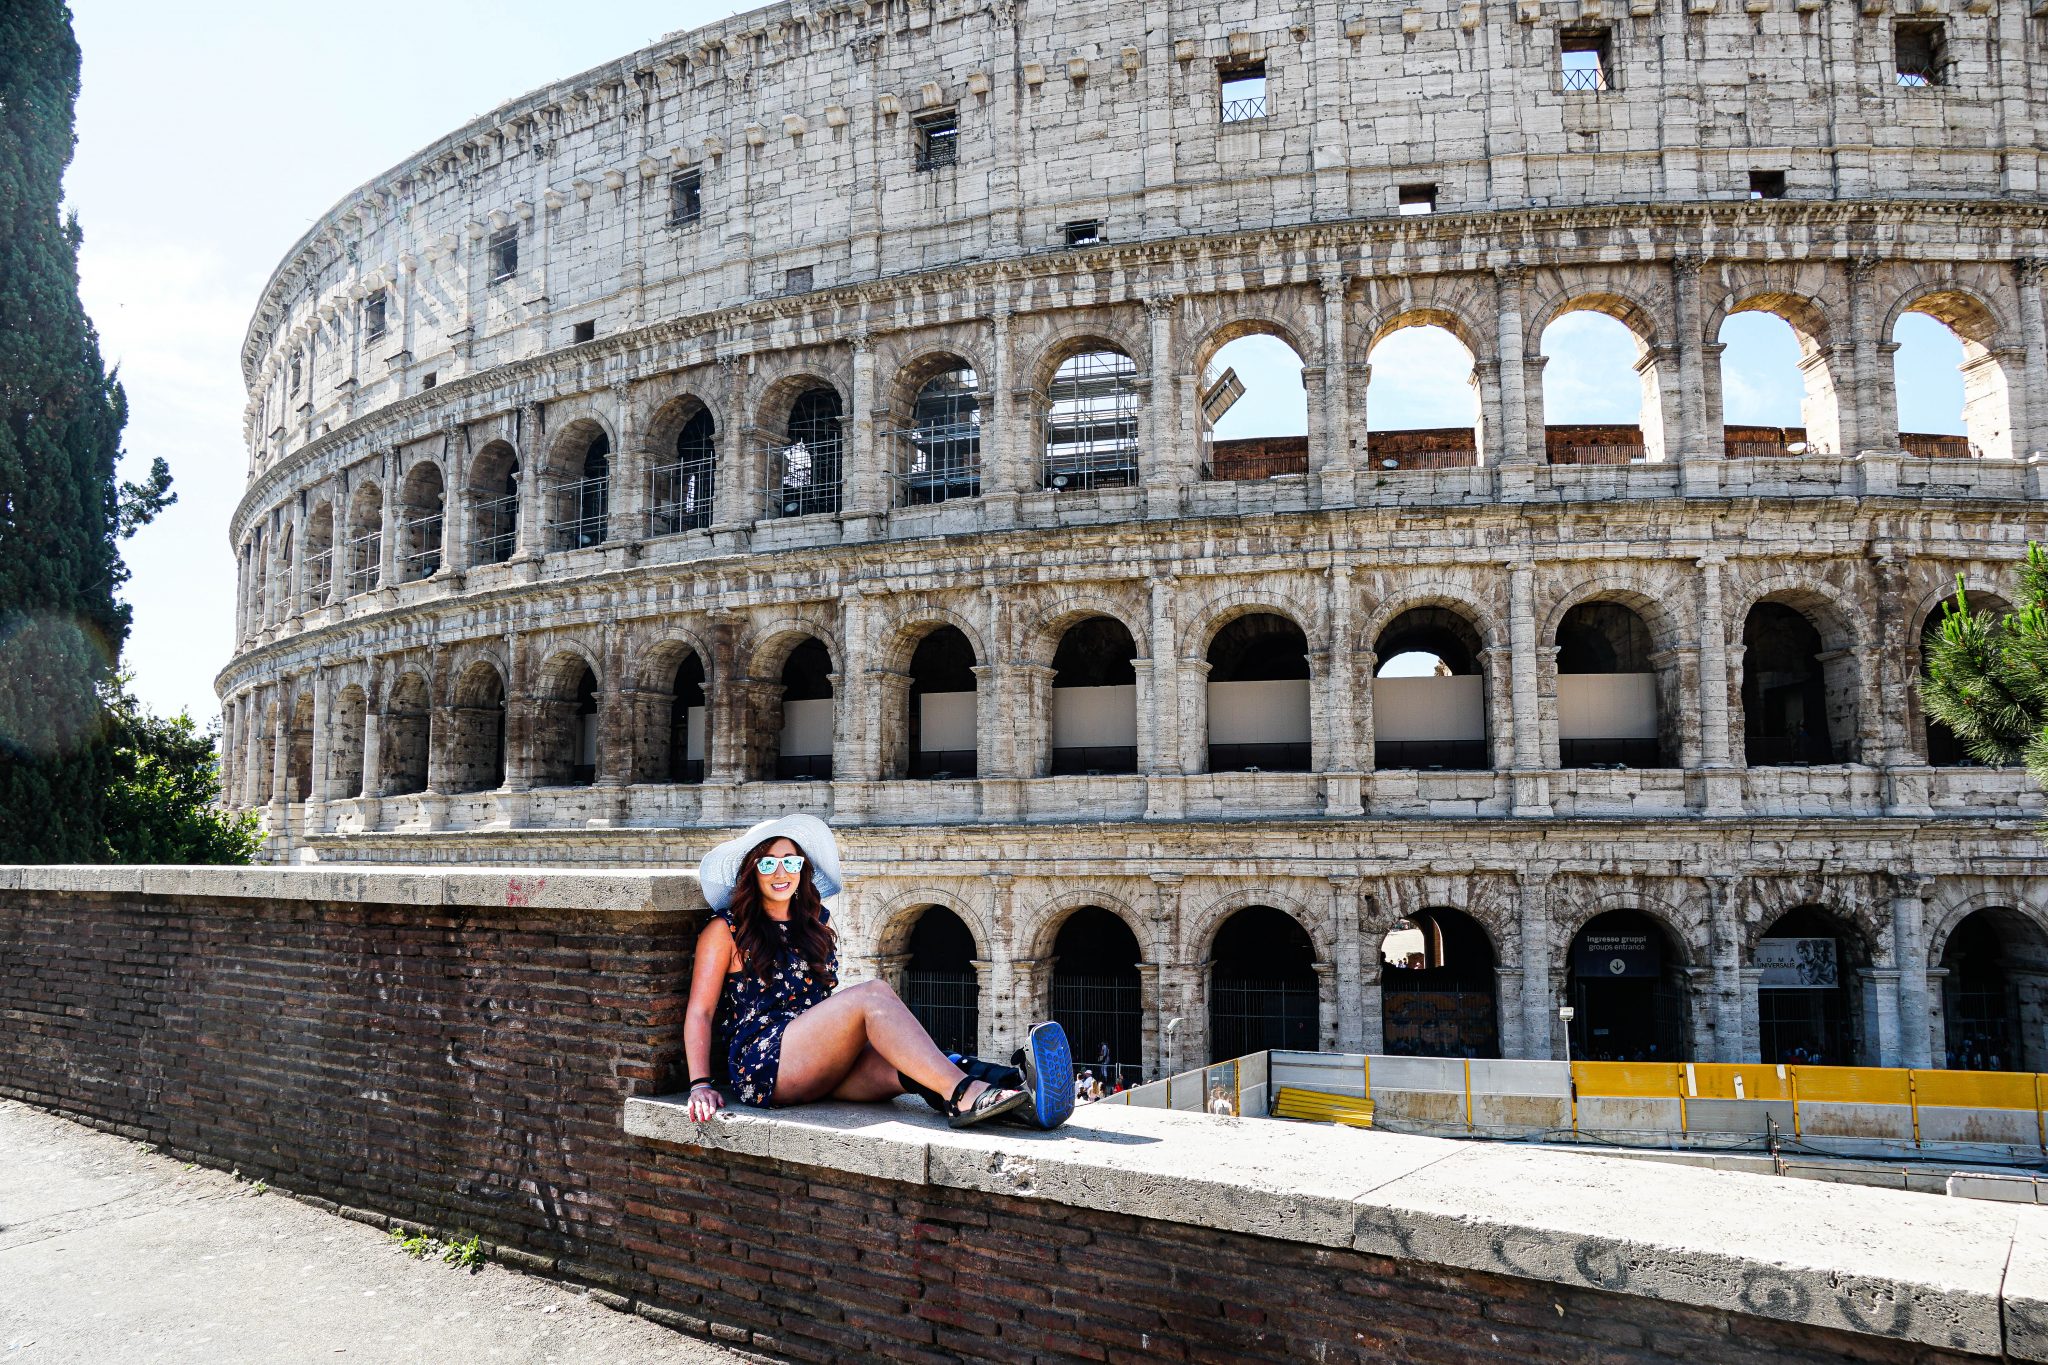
{"x":597,"y":504}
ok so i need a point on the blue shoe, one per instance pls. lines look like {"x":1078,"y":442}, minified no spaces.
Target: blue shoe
{"x":1048,"y":1066}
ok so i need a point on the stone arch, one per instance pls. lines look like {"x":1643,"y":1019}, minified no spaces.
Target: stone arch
{"x":1937,"y":744}
{"x":1407,"y":596}
{"x":767,"y":644}
{"x":660,"y":719}
{"x":493,"y":489}
{"x":1640,"y":1012}
{"x":1297,"y":332}
{"x":897,"y":638}
{"x":894,"y":919}
{"x":663,"y":416}
{"x":1833,"y":702}
{"x":1953,"y":913}
{"x":345,"y":730}
{"x":1991,"y":356}
{"x":1200,"y":925}
{"x":778,"y":396}
{"x":406,"y":734}
{"x":1406,"y":313}
{"x":477,"y":748}
{"x":1684,"y":929}
{"x":1058,"y":906}
{"x":365,"y":537}
{"x":1850,"y":900}
{"x":1603,"y":721}
{"x":422,"y":516}
{"x":1668,"y":624}
{"x":1222,"y":609}
{"x":1064,"y":342}
{"x":924,"y":361}
{"x":568,"y":693}
{"x":1622,"y":301}
{"x":1055,"y":618}
{"x":1807,"y":594}
{"x":576,"y":489}
{"x":1489,"y":902}
{"x":918,"y":735}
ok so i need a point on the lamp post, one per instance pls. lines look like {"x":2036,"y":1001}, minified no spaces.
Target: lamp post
{"x":1567,"y":1013}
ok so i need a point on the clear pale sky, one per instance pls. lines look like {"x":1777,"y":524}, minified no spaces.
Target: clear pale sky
{"x":211,"y":137}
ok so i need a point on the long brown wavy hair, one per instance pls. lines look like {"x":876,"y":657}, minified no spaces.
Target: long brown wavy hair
{"x":809,"y":935}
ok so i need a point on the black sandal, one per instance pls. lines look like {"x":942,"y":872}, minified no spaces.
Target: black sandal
{"x":993,"y":1100}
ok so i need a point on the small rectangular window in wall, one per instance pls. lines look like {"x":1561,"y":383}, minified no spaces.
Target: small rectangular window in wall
{"x":373,"y":315}
{"x":1241,"y":91}
{"x":938,"y":140}
{"x":1585,"y":59}
{"x":429,"y":379}
{"x":1083,"y":232}
{"x":1767,"y":184}
{"x":504,"y":253}
{"x":1919,"y":51}
{"x":685,"y":198}
{"x":798,"y":280}
{"x":1418,"y":199}
{"x":582,"y":332}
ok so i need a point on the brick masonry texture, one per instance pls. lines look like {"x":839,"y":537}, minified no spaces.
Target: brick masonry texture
{"x":467,"y":1071}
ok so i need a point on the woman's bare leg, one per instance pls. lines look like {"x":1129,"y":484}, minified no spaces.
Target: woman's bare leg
{"x":872,"y":1078}
{"x":823,"y":1046}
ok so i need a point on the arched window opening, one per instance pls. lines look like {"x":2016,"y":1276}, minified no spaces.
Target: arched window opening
{"x":807,"y":464}
{"x":1263,"y":990}
{"x":941,"y":448}
{"x":1950,"y":384}
{"x":1945,"y":749}
{"x":583,"y":502}
{"x":1422,"y":401}
{"x":566,"y":724}
{"x":1258,"y":696}
{"x":939,"y":982}
{"x":1095,"y":699}
{"x":345,"y":762}
{"x":477,"y":755}
{"x":281,"y":604}
{"x":319,"y":565}
{"x":1608,"y":712}
{"x":1809,"y":998}
{"x":300,"y":759}
{"x":1254,"y":410}
{"x":421,"y":543}
{"x":266,"y":761}
{"x":1626,"y":981}
{"x":1598,"y":388}
{"x":1090,"y":418}
{"x":1798,"y":697}
{"x":805,"y":747}
{"x":942,"y":706}
{"x":680,"y":499}
{"x":1439,"y":996}
{"x":688,"y":736}
{"x":494,"y":514}
{"x":1096,"y":994}
{"x":1777,"y":392}
{"x":403,"y":755}
{"x":1429,"y":697}
{"x":365,"y":538}
{"x":1994,"y":993}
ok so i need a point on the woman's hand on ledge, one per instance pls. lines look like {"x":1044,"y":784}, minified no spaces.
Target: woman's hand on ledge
{"x":704,"y":1102}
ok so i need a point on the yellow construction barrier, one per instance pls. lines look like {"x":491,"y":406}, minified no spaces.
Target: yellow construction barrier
{"x":1318,"y":1106}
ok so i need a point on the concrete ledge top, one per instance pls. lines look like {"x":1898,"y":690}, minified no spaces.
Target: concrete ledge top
{"x":1961,"y":1274}
{"x":539,"y":888}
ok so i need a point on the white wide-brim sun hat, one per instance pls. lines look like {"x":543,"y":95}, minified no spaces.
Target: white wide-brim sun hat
{"x":721,"y":869}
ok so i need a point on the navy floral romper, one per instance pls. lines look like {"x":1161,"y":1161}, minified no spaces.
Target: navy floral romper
{"x":746,"y":1033}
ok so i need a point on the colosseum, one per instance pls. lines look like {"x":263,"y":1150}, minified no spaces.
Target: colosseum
{"x":817,"y":411}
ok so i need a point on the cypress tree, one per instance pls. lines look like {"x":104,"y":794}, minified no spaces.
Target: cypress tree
{"x":61,"y":627}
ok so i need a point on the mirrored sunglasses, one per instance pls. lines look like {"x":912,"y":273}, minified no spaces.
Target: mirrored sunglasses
{"x":792,"y":863}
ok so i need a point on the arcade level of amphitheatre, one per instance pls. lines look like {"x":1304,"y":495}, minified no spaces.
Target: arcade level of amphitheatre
{"x":812,"y":412}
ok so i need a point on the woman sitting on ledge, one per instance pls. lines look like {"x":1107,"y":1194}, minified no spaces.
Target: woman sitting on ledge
{"x":763,"y":1018}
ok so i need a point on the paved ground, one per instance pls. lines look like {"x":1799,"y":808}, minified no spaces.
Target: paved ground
{"x":111,"y":1253}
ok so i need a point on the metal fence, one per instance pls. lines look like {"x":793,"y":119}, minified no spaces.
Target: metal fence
{"x":1255,"y":1015}
{"x":1237,"y":111}
{"x":423,"y":555}
{"x":1091,"y":423}
{"x":948,"y":1005}
{"x":1610,"y":753}
{"x":319,"y":578}
{"x":1457,"y":754}
{"x":497,"y":530}
{"x":680,"y":496}
{"x":1267,"y":758}
{"x":1094,"y":760}
{"x":366,"y":561}
{"x":588,"y":504}
{"x":1102,"y":1009}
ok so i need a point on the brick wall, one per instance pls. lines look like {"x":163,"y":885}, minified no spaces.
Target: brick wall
{"x":465,"y":1069}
